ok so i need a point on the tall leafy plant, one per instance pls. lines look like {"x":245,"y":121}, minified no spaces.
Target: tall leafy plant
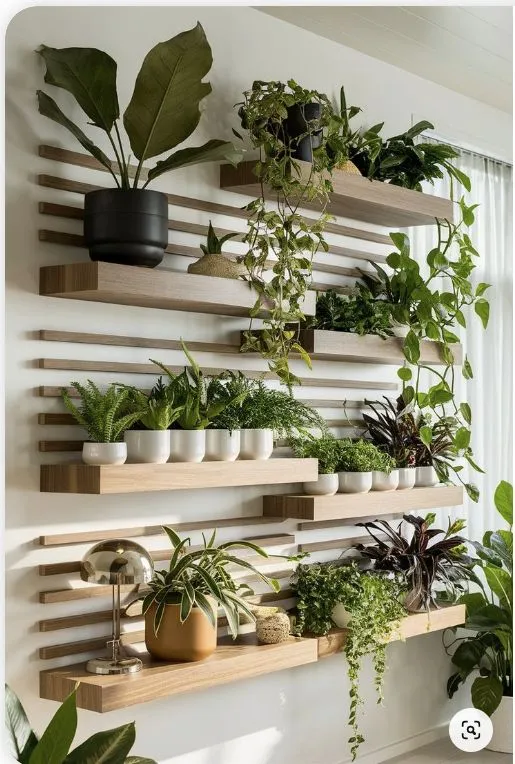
{"x":162,"y":113}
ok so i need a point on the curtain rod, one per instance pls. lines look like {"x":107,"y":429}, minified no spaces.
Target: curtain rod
{"x":468,"y":151}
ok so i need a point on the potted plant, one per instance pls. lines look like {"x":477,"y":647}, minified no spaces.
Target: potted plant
{"x":430,"y":558}
{"x":372,"y":610}
{"x":486,"y":651}
{"x":213,"y":262}
{"x":223,"y":438}
{"x":343,"y":143}
{"x":357,"y":312}
{"x":53,"y":747}
{"x":326,"y":449}
{"x":129,"y":224}
{"x":105,"y":417}
{"x":392,"y":428}
{"x":181,"y":608}
{"x":151,"y":445}
{"x":357,"y":462}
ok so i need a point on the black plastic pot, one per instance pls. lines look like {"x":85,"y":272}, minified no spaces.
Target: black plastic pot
{"x":127,"y":227}
{"x":297,"y":124}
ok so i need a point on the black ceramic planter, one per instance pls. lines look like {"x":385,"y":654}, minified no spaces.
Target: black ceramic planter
{"x":127,"y":227}
{"x":297,"y":124}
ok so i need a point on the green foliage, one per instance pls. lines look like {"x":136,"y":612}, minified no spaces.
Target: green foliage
{"x":213,"y":244}
{"x":489,"y":650}
{"x":374,"y":604}
{"x":231,"y":388}
{"x":326,"y":449}
{"x":430,"y":558}
{"x":157,"y":410}
{"x":359,"y":313}
{"x":363,"y":456}
{"x":163,"y":110}
{"x":392,"y":428}
{"x":106,"y":415}
{"x":108,"y":747}
{"x":264,"y":408}
{"x":342,"y":142}
{"x":194,"y":575}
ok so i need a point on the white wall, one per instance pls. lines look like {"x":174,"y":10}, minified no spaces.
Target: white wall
{"x":294,"y":716}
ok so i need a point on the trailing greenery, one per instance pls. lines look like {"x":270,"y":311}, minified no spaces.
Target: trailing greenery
{"x":103,"y":414}
{"x":53,"y":747}
{"x":283,"y":234}
{"x":424,"y":561}
{"x":163,"y":111}
{"x":325,"y":448}
{"x":193,"y":576}
{"x":359,"y":313}
{"x":363,"y":456}
{"x":488,"y":652}
{"x":374,"y":605}
{"x":264,"y":408}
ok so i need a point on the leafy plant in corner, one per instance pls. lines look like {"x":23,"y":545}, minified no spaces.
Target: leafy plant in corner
{"x":374,"y":604}
{"x":103,"y":414}
{"x":53,"y":747}
{"x":487,"y":653}
{"x":326,"y":449}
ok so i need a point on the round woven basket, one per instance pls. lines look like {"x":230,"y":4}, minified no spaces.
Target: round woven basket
{"x":348,"y":167}
{"x":217,"y":265}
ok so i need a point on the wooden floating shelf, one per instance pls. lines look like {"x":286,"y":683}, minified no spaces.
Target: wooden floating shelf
{"x":346,"y":346}
{"x":151,"y":288}
{"x":412,"y":626}
{"x":353,"y":197}
{"x":355,"y":505}
{"x":133,"y":478}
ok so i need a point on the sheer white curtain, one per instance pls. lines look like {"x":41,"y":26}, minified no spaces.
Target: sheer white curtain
{"x":491,"y":352}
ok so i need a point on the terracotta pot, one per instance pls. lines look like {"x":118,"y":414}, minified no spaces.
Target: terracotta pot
{"x":193,"y":640}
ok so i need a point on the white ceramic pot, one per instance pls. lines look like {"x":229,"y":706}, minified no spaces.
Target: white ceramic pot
{"x":502,"y":719}
{"x":341,"y":616}
{"x":187,"y":445}
{"x":354,"y":482}
{"x":147,"y":446}
{"x":104,"y":453}
{"x":222,"y":445}
{"x":407,"y":477}
{"x":426,"y":477}
{"x":256,"y":444}
{"x":326,"y":485}
{"x":385,"y":481}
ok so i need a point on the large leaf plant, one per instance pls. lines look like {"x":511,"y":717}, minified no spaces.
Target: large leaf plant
{"x":53,"y":747}
{"x":162,"y":113}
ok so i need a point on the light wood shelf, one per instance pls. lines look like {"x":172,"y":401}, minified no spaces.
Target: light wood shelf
{"x":369,"y":348}
{"x":355,"y":505}
{"x":412,"y":626}
{"x":354,"y":197}
{"x":133,"y":478}
{"x":151,"y":288}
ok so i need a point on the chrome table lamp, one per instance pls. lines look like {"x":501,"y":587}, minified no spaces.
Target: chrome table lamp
{"x":116,"y":562}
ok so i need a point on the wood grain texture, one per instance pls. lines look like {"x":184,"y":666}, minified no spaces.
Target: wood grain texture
{"x":85,"y":160}
{"x":357,"y":505}
{"x":354,"y":197}
{"x":325,"y":546}
{"x":145,"y":287}
{"x":91,"y":338}
{"x":133,"y":478}
{"x":412,"y":626}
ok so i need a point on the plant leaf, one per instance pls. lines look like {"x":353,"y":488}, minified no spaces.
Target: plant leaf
{"x":164,"y":108}
{"x":108,"y":747}
{"x":486,"y":693}
{"x":503,"y":500}
{"x":22,"y":738}
{"x":212,"y":151}
{"x":500,"y":583}
{"x":58,"y":736}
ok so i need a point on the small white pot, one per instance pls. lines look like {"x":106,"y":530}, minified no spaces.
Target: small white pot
{"x":502,"y":719}
{"x":222,"y":445}
{"x":256,"y":444}
{"x":104,"y":453}
{"x":187,"y":445}
{"x":384,"y":481}
{"x":341,"y":616}
{"x":147,"y":446}
{"x":326,"y":485}
{"x":354,"y":482}
{"x":426,"y":477}
{"x":407,"y":477}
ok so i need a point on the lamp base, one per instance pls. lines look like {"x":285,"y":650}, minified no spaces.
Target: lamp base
{"x":109,"y":666}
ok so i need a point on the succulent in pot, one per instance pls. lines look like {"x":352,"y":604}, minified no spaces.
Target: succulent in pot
{"x":213,"y":262}
{"x":129,"y":224}
{"x":357,"y":463}
{"x":326,"y":449}
{"x":182,"y":605}
{"x":105,"y":416}
{"x":148,"y":441}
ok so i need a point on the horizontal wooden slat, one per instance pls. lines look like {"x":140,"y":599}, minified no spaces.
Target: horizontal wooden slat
{"x":318,"y":525}
{"x":60,"y":446}
{"x":80,"y":593}
{"x":324,"y":546}
{"x":85,"y":160}
{"x":90,"y":338}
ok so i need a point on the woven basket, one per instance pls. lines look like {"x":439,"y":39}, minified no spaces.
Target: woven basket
{"x":217,"y":265}
{"x":348,"y":167}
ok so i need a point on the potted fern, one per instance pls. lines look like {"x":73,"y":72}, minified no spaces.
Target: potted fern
{"x":148,"y":441}
{"x":363,"y":467}
{"x":129,"y":224}
{"x":326,"y":449}
{"x":105,"y":416}
{"x":213,"y":262}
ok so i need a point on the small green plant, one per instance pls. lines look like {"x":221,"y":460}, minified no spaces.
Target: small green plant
{"x":230,"y":388}
{"x":103,"y":414}
{"x":194,"y":575}
{"x":159,"y":411}
{"x":363,"y":456}
{"x":488,"y":653}
{"x":358,"y":312}
{"x":53,"y":747}
{"x":393,"y":429}
{"x":343,"y":143}
{"x":326,"y":449}
{"x":213,"y":245}
{"x":264,"y":408}
{"x":373,"y":602}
